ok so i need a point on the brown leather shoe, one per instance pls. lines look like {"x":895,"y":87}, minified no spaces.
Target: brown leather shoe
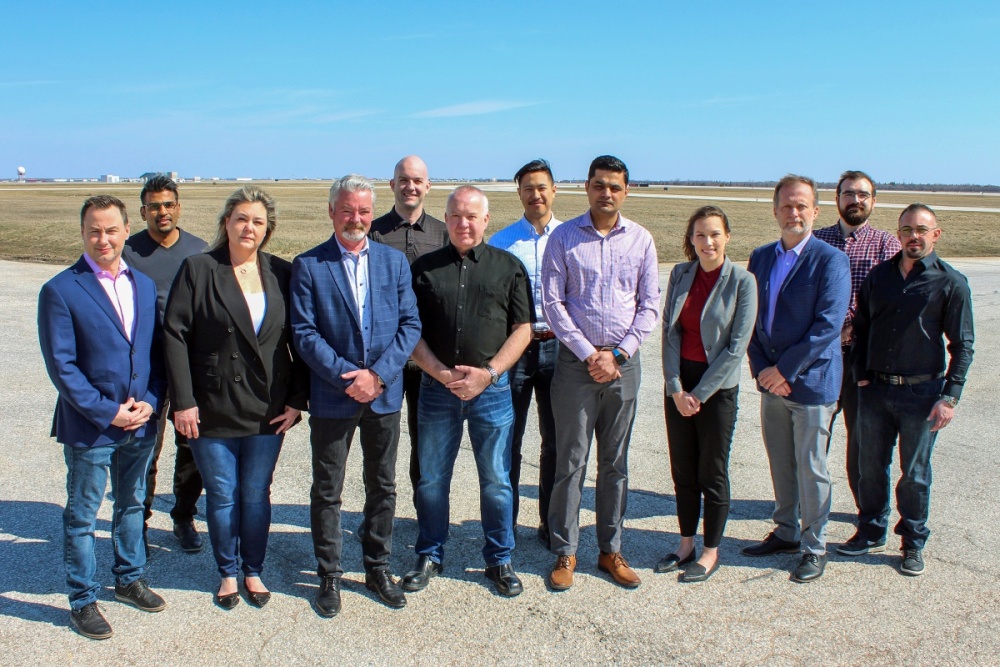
{"x":617,"y":567}
{"x":561,"y":577}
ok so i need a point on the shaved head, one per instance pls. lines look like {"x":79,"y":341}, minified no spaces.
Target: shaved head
{"x":410,"y":184}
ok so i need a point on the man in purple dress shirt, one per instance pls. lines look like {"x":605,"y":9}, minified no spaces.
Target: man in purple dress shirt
{"x":600,"y":286}
{"x":865,"y":247}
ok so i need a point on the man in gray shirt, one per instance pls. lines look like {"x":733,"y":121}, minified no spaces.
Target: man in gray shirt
{"x":158,"y":252}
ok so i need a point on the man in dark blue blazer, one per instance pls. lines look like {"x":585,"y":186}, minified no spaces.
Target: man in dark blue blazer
{"x":99,"y":333}
{"x":804,"y":290}
{"x":355,"y":323}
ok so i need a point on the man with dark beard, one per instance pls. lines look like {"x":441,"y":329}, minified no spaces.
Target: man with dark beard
{"x":865,"y":247}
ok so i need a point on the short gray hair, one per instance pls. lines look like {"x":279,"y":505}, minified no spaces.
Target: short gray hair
{"x":468,"y":190}
{"x":352,"y":183}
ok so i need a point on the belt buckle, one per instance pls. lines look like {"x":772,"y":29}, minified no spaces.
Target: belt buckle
{"x":896,"y":380}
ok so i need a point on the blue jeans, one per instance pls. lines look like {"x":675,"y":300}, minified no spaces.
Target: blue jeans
{"x":533,"y":373}
{"x":237,"y":473}
{"x":86,"y":480}
{"x":886,"y":412}
{"x":490,"y":418}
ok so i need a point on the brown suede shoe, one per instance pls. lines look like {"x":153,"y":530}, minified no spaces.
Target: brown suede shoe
{"x":615,"y":565}
{"x":561,"y":577}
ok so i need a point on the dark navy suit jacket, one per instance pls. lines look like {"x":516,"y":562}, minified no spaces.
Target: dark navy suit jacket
{"x":327,"y":331}
{"x":92,"y":363}
{"x":805,"y":336}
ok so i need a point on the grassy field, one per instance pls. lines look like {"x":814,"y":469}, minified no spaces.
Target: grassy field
{"x":40,"y":222}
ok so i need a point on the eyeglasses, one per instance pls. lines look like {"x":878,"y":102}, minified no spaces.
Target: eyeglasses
{"x":860,"y":195}
{"x":916,"y":231}
{"x":160,"y":206}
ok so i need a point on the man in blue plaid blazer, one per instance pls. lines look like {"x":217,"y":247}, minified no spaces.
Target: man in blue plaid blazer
{"x":355,"y":323}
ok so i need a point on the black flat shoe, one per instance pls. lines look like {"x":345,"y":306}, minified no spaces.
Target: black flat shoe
{"x":421,"y":574}
{"x":258,"y":599}
{"x":671,"y":562}
{"x":228,"y":601}
{"x":697,"y":573}
{"x":380,"y":582}
{"x":505,"y":579}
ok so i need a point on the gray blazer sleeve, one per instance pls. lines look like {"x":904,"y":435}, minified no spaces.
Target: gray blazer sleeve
{"x":725,"y":354}
{"x":670,"y":341}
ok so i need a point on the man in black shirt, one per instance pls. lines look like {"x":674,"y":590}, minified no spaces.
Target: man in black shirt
{"x":408,"y":228}
{"x":906,"y":307}
{"x":475,"y":307}
{"x":158,"y":251}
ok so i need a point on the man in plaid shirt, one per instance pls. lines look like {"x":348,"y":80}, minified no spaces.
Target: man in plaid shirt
{"x":865,"y":247}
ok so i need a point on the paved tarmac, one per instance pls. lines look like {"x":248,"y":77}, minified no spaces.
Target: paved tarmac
{"x":861,"y":611}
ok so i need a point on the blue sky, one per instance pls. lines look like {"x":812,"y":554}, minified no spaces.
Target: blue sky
{"x":908,"y":91}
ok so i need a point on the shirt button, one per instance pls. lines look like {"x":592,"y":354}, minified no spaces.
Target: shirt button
{"x":135,"y":376}
{"x":238,"y":378}
{"x":235,"y":355}
{"x":231,"y":330}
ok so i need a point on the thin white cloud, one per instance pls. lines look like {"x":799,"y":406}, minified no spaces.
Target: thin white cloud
{"x":473,"y":109}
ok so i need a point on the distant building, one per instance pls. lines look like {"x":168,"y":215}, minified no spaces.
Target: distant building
{"x":109,"y":178}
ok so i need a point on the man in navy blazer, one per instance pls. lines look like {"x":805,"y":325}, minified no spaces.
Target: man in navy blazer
{"x":99,"y":333}
{"x":804,"y":289}
{"x":355,"y":323}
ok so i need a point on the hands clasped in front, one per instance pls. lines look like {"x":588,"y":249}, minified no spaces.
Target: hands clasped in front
{"x":466,"y":382}
{"x":773,"y":381}
{"x":132,"y":414}
{"x":602,"y":366}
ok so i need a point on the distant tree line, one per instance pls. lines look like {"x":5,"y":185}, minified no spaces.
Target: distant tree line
{"x":892,"y":185}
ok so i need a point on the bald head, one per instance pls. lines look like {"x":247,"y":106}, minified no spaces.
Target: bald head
{"x":410,"y":185}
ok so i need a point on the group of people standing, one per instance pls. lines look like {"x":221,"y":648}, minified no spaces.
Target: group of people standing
{"x":468,"y":331}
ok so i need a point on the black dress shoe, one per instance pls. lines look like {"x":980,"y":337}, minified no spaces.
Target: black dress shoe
{"x":139,"y":595}
{"x":697,"y":573}
{"x":89,"y":622}
{"x":188,"y":537}
{"x":505,"y":580}
{"x":809,"y":568}
{"x":227,"y":601}
{"x":381,"y":582}
{"x":328,"y":600}
{"x":772,"y":544}
{"x":421,"y":574}
{"x":671,"y":562}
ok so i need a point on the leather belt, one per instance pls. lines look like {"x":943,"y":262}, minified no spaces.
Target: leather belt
{"x":886,"y":378}
{"x":542,"y":335}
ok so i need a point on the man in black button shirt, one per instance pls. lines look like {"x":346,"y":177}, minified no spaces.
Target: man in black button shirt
{"x":408,"y":228}
{"x":475,"y":307}
{"x":906,"y":307}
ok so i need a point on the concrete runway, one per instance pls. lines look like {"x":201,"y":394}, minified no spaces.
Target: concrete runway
{"x":861,"y":611}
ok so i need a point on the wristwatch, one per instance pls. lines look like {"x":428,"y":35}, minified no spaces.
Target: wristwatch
{"x":620,"y":357}
{"x":950,"y":400}
{"x":494,"y":376}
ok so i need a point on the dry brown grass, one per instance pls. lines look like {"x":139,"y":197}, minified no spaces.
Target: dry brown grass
{"x":40,"y":222}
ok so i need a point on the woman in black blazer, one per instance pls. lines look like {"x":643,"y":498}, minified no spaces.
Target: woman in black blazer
{"x":235,"y":385}
{"x":708,"y":318}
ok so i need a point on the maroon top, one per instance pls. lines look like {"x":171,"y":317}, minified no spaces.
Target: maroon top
{"x":692,"y":348}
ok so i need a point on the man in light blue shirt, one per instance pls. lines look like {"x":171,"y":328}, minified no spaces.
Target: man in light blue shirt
{"x":526,"y":239}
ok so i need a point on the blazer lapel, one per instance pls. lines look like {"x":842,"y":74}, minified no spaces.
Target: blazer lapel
{"x":232,"y":299}
{"x":682,"y":291}
{"x":717,"y":289}
{"x":87,"y":279}
{"x":334,"y":265}
{"x":274,"y":316}
{"x":799,"y":262}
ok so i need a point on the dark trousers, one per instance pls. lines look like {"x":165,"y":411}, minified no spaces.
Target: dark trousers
{"x":887,"y":413}
{"x":187,"y":480}
{"x":331,"y":442}
{"x":699,"y":456}
{"x":411,"y":392}
{"x":533,"y":374}
{"x":848,"y":404}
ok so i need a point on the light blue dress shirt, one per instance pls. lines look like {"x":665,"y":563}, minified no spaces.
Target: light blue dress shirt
{"x":783,"y":263}
{"x":356,"y":270}
{"x":521,"y":240}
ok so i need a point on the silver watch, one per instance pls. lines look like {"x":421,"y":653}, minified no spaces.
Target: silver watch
{"x":494,"y":376}
{"x":950,"y":400}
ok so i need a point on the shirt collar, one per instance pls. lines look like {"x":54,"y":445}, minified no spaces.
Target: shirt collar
{"x":587,"y":221}
{"x":345,"y":251}
{"x":528,"y":227}
{"x":858,"y":233}
{"x":779,"y":249}
{"x":475,"y":254}
{"x":402,"y":222}
{"x":123,"y":268}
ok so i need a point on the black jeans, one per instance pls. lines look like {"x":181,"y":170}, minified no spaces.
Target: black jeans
{"x":533,"y":374}
{"x":331,"y":441}
{"x":411,"y":392}
{"x":699,"y":456}
{"x":848,"y":405}
{"x":187,"y":480}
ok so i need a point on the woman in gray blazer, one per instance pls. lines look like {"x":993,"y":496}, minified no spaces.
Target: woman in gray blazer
{"x":708,"y":317}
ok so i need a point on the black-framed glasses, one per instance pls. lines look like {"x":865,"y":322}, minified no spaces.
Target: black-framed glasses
{"x":860,"y":195}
